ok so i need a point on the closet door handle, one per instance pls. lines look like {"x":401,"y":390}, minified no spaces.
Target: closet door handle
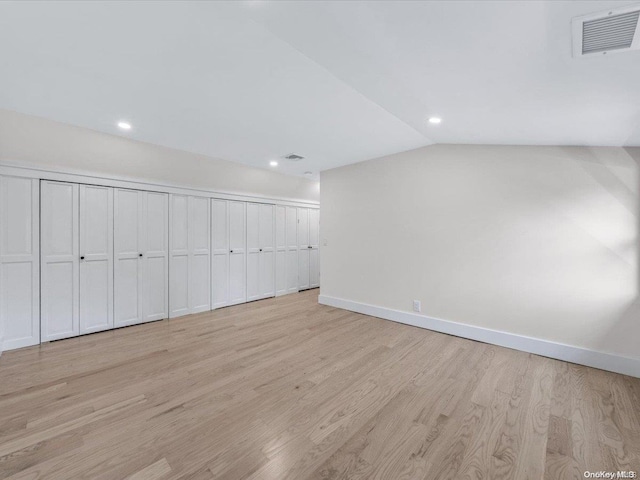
{"x":140,"y":254}
{"x":82,"y":257}
{"x":260,"y":249}
{"x":230,"y":251}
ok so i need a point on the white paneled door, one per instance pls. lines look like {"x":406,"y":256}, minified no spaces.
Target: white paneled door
{"x":189,"y":270}
{"x":60,"y":257}
{"x":237,"y":252}
{"x":155,"y":256}
{"x":314,"y":248}
{"x":141,"y":256}
{"x":19,"y":262}
{"x":303,"y":248}
{"x":128,"y":246}
{"x":309,"y":248}
{"x":260,"y":251}
{"x":96,"y":258}
{"x":286,"y":250}
{"x":199,"y":251}
{"x":219,"y":253}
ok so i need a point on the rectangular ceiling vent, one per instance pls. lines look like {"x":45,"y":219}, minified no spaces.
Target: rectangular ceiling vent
{"x":606,"y":32}
{"x":293,"y":157}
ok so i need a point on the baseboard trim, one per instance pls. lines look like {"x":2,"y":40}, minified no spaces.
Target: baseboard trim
{"x":545,"y":348}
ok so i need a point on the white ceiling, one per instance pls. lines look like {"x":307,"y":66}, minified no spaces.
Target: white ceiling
{"x":336,"y":82}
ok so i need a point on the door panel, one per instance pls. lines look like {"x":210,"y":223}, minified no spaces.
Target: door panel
{"x":19,"y":262}
{"x":253,"y":251}
{"x":59,"y":260}
{"x":200,"y":263}
{"x":155,"y":259}
{"x":267,"y":251}
{"x":237,"y":253}
{"x":314,"y":251}
{"x":219,"y":253}
{"x":179,"y":257}
{"x":291,"y":233}
{"x":96,"y":269}
{"x":303,"y":248}
{"x":127,"y":234}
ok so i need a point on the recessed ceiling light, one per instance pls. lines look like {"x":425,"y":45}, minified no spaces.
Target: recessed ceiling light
{"x":273,"y":163}
{"x":435,"y":120}
{"x":124,"y":125}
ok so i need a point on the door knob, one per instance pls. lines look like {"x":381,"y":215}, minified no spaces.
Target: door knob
{"x":140,"y":254}
{"x":230,"y":251}
{"x":260,"y":249}
{"x":82,"y":258}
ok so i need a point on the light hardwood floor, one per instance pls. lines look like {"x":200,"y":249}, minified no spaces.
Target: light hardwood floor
{"x":288,"y":389}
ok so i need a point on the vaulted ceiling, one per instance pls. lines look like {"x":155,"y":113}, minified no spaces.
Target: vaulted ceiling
{"x":335,"y":82}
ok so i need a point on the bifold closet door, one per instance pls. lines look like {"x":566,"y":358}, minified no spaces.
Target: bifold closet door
{"x":219,"y":253}
{"x":199,"y":255}
{"x":253,"y":251}
{"x":141,"y":256}
{"x":128,"y":245}
{"x":286,"y":250}
{"x":237,"y":252}
{"x":155,"y":256}
{"x":314,"y":248}
{"x":291,"y":234}
{"x":19,"y":262}
{"x":303,"y":248}
{"x":189,"y":271}
{"x":260,"y":251}
{"x":96,"y":258}
{"x":281,"y":250}
{"x":179,"y":247}
{"x":60,"y":257}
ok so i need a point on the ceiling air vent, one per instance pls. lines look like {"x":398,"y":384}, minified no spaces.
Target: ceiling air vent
{"x":293,"y":157}
{"x":606,"y":32}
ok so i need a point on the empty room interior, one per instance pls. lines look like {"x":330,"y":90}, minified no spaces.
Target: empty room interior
{"x":319,"y":239}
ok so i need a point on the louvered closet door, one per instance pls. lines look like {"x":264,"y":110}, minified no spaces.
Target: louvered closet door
{"x":96,"y":258}
{"x":128,"y":247}
{"x":281,"y":250}
{"x":303,"y":248}
{"x":155,"y":256}
{"x":199,"y":256}
{"x":19,"y":262}
{"x":179,"y":256}
{"x":291,"y":233}
{"x":219,"y":253}
{"x":267,"y":251}
{"x":237,"y":253}
{"x":314,"y":250}
{"x":253,"y":251}
{"x":60,"y":257}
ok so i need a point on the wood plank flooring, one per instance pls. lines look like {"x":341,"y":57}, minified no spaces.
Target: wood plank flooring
{"x":288,"y":389}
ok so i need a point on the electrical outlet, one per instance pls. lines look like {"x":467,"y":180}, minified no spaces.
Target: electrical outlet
{"x":416,"y":306}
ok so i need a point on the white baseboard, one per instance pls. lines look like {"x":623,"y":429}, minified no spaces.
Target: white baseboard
{"x":545,"y":348}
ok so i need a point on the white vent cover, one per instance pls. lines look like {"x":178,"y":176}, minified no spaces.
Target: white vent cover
{"x":612,"y":31}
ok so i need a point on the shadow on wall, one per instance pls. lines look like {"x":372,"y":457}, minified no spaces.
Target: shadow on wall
{"x":619,"y":175}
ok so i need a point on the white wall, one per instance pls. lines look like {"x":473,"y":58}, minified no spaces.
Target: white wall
{"x":47,"y":143}
{"x":535,"y":241}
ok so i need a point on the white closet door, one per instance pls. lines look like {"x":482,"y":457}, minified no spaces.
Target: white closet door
{"x":59,"y":260}
{"x":155,"y":256}
{"x":128,"y":239}
{"x":179,"y":261}
{"x":281,"y":250}
{"x":96,"y":258}
{"x":253,"y":251}
{"x":267,"y":252}
{"x":237,"y":253}
{"x":292,"y":249}
{"x":303,"y":248}
{"x":200,"y":263}
{"x":19,"y":262}
{"x":314,"y":251}
{"x":219,"y":253}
